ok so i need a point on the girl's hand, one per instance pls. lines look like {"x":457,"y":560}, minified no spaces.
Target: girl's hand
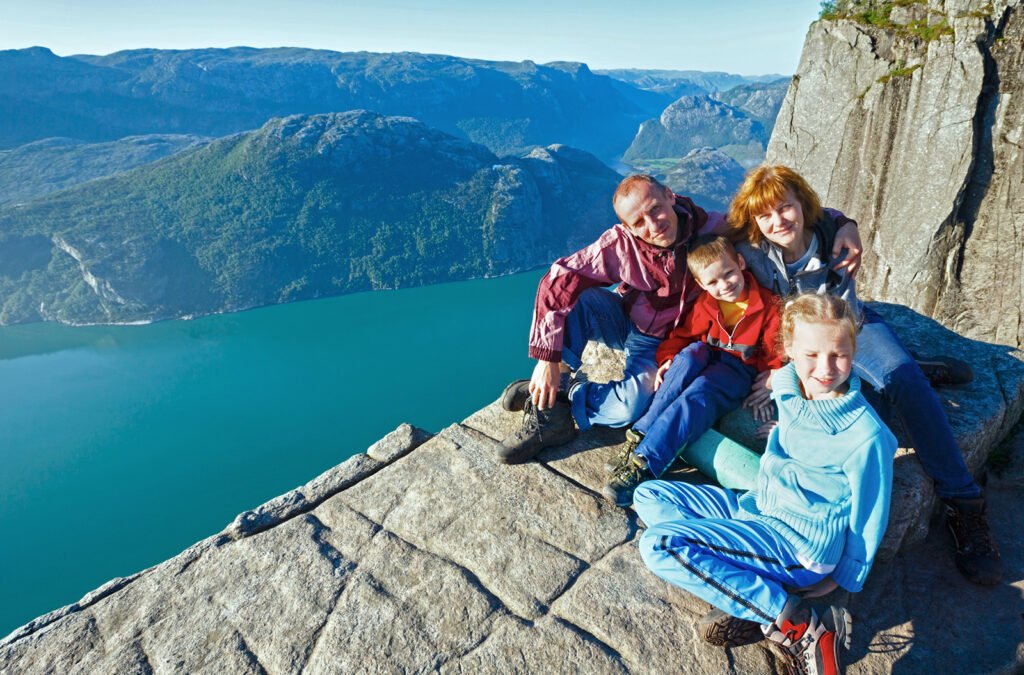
{"x":760,"y":390}
{"x":823,"y":587}
{"x":765,"y":429}
{"x":660,"y":376}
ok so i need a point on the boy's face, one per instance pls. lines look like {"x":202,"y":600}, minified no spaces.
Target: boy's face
{"x":723,"y":279}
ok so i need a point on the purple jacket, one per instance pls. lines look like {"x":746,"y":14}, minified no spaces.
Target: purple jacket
{"x":653,"y":281}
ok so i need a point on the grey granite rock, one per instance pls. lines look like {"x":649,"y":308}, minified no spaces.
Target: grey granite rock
{"x":445,"y":560}
{"x":395,"y":445}
{"x":920,"y":141}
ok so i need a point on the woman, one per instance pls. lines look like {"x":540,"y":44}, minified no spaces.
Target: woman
{"x":788,"y":247}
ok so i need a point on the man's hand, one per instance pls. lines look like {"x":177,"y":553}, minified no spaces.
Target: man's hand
{"x":544,"y":382}
{"x":765,"y":430}
{"x":849,"y":238}
{"x":765,"y":412}
{"x":659,"y":377}
{"x":760,"y":391}
{"x":823,"y":587}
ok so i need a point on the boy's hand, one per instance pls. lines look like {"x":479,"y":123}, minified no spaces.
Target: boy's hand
{"x":544,"y":384}
{"x":760,"y":390}
{"x":849,"y":238}
{"x":660,"y":376}
{"x":823,"y":587}
{"x":765,"y":430}
{"x":764,"y":413}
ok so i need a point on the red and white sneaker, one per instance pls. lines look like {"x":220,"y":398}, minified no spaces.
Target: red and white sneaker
{"x":812,"y":643}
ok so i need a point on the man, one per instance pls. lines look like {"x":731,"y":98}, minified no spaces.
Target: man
{"x":645,"y":254}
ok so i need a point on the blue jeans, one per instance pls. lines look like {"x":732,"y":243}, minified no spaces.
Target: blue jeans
{"x":695,"y":540}
{"x":599,"y":315}
{"x":900,"y":387}
{"x":701,"y":385}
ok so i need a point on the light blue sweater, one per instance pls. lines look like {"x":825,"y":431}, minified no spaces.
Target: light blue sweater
{"x":825,"y":479}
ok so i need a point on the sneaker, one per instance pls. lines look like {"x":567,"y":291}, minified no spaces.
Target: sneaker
{"x":513,"y":399}
{"x":630,"y":473}
{"x":943,"y":370}
{"x":724,"y":630}
{"x":976,"y":555}
{"x":811,"y":644}
{"x":633,"y":439}
{"x":541,"y":429}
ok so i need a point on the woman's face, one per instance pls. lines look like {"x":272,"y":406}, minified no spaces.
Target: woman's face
{"x":783,"y":223}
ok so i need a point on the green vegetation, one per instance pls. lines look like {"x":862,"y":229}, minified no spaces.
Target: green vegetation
{"x":899,"y":71}
{"x":878,"y":14}
{"x":305,"y":207}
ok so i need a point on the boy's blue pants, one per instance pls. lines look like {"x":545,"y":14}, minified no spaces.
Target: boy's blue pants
{"x":701,"y":385}
{"x":695,"y":540}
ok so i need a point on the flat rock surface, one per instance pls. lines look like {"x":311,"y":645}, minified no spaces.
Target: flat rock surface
{"x":433,"y":557}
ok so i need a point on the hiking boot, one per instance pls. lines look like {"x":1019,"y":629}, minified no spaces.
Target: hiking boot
{"x":513,"y":399}
{"x":541,"y":429}
{"x":943,"y":370}
{"x":633,"y":439}
{"x":723,"y":630}
{"x":812,"y":644}
{"x":630,"y":473}
{"x":976,"y":555}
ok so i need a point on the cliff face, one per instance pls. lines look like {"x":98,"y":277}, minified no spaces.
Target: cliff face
{"x":910,"y":119}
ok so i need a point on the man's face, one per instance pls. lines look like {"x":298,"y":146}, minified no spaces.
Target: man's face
{"x":648,"y":213}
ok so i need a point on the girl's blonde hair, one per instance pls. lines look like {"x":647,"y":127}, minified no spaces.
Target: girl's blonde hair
{"x":762,"y":189}
{"x":814,"y":308}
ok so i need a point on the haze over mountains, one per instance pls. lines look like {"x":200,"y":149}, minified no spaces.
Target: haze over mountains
{"x":116,"y":204}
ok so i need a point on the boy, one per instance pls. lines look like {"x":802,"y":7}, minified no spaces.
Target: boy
{"x":707,"y":364}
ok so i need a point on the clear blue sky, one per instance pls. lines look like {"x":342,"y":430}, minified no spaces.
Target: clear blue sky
{"x":740,"y":36}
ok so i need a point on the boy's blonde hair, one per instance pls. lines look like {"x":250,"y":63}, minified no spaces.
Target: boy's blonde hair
{"x":815,"y":308}
{"x":762,"y":189}
{"x":706,"y":250}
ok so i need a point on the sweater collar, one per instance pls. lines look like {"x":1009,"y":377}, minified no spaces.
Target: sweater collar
{"x":834,"y":414}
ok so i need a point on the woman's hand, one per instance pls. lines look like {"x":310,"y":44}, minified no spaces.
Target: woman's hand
{"x":659,"y":377}
{"x":849,"y":238}
{"x":547,"y":375}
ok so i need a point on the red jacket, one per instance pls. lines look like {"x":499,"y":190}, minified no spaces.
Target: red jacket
{"x":755,"y":339}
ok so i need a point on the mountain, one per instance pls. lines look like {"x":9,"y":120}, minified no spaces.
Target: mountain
{"x":306,"y":206}
{"x":760,"y":101}
{"x":914,"y":128}
{"x":694,"y":122}
{"x":505,"y":106}
{"x":677,"y":83}
{"x":708,"y":176}
{"x":46,"y":166}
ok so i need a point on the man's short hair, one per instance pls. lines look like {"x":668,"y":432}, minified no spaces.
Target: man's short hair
{"x":631,"y":184}
{"x":707,"y":249}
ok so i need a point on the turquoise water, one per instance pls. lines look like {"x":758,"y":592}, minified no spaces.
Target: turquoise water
{"x":123,"y":445}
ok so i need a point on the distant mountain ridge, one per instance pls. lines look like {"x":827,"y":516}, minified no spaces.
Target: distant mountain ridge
{"x":505,"y":106}
{"x":306,"y":206}
{"x":41,"y":167}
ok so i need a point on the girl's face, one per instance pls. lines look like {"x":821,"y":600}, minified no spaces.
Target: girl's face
{"x":823,"y":356}
{"x":783,"y":223}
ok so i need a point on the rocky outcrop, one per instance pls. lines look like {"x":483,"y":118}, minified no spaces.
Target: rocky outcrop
{"x":708,"y":176}
{"x":424,"y":554}
{"x":910,"y":119}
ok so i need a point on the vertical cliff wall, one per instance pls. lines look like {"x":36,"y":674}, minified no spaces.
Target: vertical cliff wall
{"x":908,"y":116}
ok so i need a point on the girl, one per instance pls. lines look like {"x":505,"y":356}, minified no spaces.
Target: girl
{"x":790,"y":249}
{"x":818,"y":513}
